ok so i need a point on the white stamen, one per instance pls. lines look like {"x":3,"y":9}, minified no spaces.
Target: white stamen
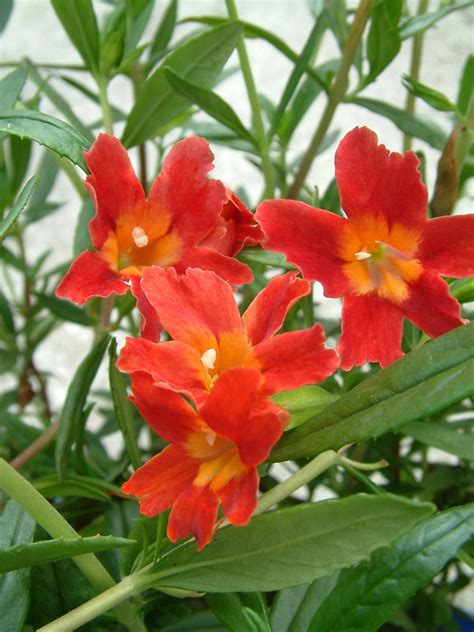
{"x":208,"y":358}
{"x":140,"y":237}
{"x":211,"y":438}
{"x":360,"y":256}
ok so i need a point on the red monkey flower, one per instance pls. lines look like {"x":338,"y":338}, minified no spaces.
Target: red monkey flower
{"x":199,"y":311}
{"x":213,"y":455}
{"x":385,"y":259}
{"x":130,"y":232}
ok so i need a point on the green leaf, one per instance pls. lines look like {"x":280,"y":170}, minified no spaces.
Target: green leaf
{"x":25,"y":555}
{"x":210,"y":102}
{"x":463,"y":290}
{"x":20,"y":154}
{"x":82,"y":239}
{"x":257,"y":255}
{"x":366,"y":596}
{"x":420,"y":23}
{"x":16,"y":527}
{"x":164,"y":32}
{"x":303,"y":403}
{"x":47,"y":172}
{"x":232,"y":609}
{"x":433,"y":97}
{"x":425,"y":381}
{"x":5,"y":11}
{"x":6,"y":314}
{"x":200,"y":59}
{"x":138,"y":16}
{"x":46,"y":130}
{"x":383,"y":40}
{"x":20,"y":204}
{"x":63,"y":309}
{"x":291,"y":546}
{"x":10,"y":87}
{"x":75,"y":401}
{"x":465,"y":85}
{"x":411,"y":124}
{"x":122,"y":407}
{"x":442,"y":436}
{"x":79,"y":22}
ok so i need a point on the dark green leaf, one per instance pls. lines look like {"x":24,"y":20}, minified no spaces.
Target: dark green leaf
{"x":383,"y":40}
{"x":16,"y":527}
{"x":411,"y":124}
{"x":420,"y":23}
{"x":25,"y":555}
{"x":365,"y":596}
{"x":210,"y":102}
{"x":63,"y":309}
{"x":291,"y":546}
{"x":112,"y":43}
{"x":443,"y":436}
{"x":82,"y":238}
{"x":232,"y":609}
{"x":20,"y":153}
{"x":463,"y":290}
{"x":138,"y":16}
{"x":431,"y":96}
{"x":303,"y":403}
{"x":10,"y":87}
{"x":47,"y":173}
{"x":164,"y":32}
{"x":5,"y":11}
{"x":8,"y":360}
{"x":200,"y":59}
{"x":46,"y":130}
{"x":79,"y":22}
{"x":20,"y":204}
{"x":425,"y":381}
{"x":466,"y":85}
{"x":6,"y":314}
{"x":75,"y":401}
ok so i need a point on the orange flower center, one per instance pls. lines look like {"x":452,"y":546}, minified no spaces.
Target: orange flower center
{"x":380,"y":258}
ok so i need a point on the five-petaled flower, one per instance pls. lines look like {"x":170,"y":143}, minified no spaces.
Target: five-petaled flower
{"x":213,"y":455}
{"x":199,"y":311}
{"x":187,"y":220}
{"x":386,"y":259}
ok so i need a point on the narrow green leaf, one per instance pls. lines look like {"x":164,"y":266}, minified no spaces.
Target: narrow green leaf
{"x":75,"y":402}
{"x":442,"y":436}
{"x":47,"y":172}
{"x":25,"y":555}
{"x":303,"y":403}
{"x":5,"y":11}
{"x":6,"y":315}
{"x":122,"y":407}
{"x":82,"y":239}
{"x":200,"y":59}
{"x":257,"y":255}
{"x":383,"y":40}
{"x":232,"y":608}
{"x":46,"y":130}
{"x":10,"y":87}
{"x":63,"y":309}
{"x":420,"y":23}
{"x":366,"y":596}
{"x":465,"y":85}
{"x":164,"y":32}
{"x":20,"y":204}
{"x":425,"y":381}
{"x":463,"y":290}
{"x":138,"y":16}
{"x":20,"y":154}
{"x":411,"y":124}
{"x":433,"y":97}
{"x":210,"y":102}
{"x":16,"y":527}
{"x":79,"y":22}
{"x":291,"y":546}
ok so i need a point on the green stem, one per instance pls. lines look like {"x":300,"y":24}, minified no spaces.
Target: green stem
{"x":255,"y":105}
{"x":336,"y":95}
{"x":105,"y":105}
{"x":466,"y":135}
{"x":9,"y":64}
{"x":18,"y":488}
{"x":416,"y":54}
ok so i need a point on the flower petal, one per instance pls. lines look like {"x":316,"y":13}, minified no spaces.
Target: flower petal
{"x":294,"y":359}
{"x":168,"y":414}
{"x":267,"y":312}
{"x":372,"y":181}
{"x":197,"y":308}
{"x":90,"y":276}
{"x":194,"y":513}
{"x":228,"y":268}
{"x":309,"y":237}
{"x":150,"y":326}
{"x":431,"y":307}
{"x":183,"y":190}
{"x":371,"y":331}
{"x":160,"y":481}
{"x":447,"y":246}
{"x":239,"y":497}
{"x":172,"y":364}
{"x":113,"y":185}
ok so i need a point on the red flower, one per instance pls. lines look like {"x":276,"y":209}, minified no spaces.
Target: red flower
{"x":213,"y":455}
{"x":385,"y":260}
{"x":170,"y":228}
{"x":199,"y":311}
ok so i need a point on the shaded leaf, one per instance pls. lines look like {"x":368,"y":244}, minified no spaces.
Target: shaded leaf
{"x":420,"y":23}
{"x":10,"y":87}
{"x":79,"y":22}
{"x":465,"y":85}
{"x":63,"y":309}
{"x":6,"y":7}
{"x":19,"y":205}
{"x":442,"y":436}
{"x":164,"y":32}
{"x":383,"y":40}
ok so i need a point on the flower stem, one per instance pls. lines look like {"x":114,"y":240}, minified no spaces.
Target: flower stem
{"x":18,"y":488}
{"x":255,"y":105}
{"x":466,"y":135}
{"x":336,"y":95}
{"x":416,"y":54}
{"x":105,"y":105}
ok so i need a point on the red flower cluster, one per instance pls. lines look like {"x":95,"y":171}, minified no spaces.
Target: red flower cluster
{"x":207,"y":390}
